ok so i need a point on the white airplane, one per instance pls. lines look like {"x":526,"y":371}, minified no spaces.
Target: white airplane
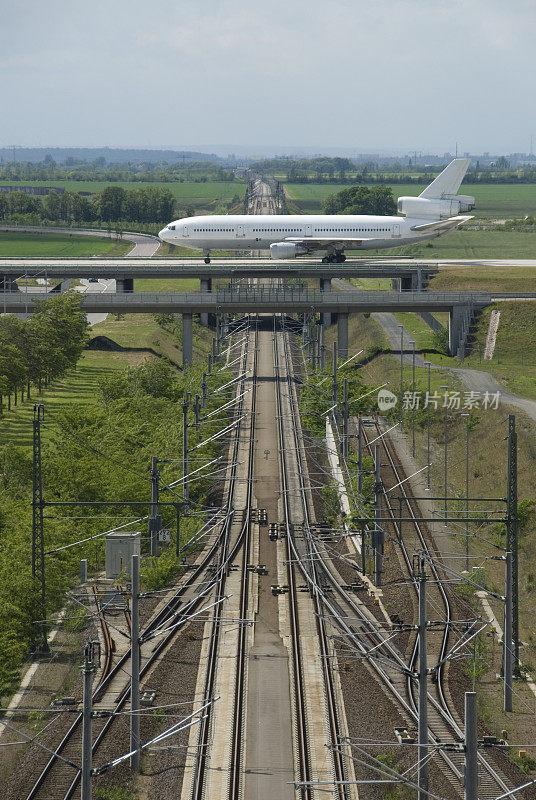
{"x":434,"y":212}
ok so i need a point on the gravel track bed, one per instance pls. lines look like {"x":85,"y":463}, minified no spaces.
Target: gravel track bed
{"x":174,"y":680}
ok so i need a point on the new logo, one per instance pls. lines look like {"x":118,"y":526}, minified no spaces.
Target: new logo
{"x":386,"y":400}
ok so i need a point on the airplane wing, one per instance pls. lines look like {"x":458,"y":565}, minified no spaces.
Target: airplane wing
{"x":441,"y":225}
{"x":321,"y":242}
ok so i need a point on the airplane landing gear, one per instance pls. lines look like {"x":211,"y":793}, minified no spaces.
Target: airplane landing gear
{"x":334,"y":258}
{"x":207,"y":256}
{"x":207,"y":260}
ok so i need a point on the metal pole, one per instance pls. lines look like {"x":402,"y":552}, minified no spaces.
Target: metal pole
{"x":413,"y":400}
{"x":335,"y":393}
{"x":511,"y":531}
{"x":154,"y":522}
{"x":322,"y":347}
{"x":423,"y":686}
{"x":83,"y":570}
{"x":185,"y":449}
{"x":378,"y":530}
{"x":359,"y":455}
{"x":471,"y":753}
{"x":466,"y":416}
{"x":428,"y":364}
{"x":345,"y":419}
{"x":204,"y":390}
{"x":445,"y":437}
{"x":177,"y":543}
{"x":135,"y":666}
{"x":88,"y":669}
{"x":197,"y":409}
{"x":401,"y":375}
{"x":507,"y":636}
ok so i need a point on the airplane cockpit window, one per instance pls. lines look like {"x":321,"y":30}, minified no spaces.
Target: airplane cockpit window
{"x":171,"y":227}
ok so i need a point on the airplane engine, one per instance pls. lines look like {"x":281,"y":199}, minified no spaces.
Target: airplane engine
{"x":284,"y":250}
{"x":448,"y":206}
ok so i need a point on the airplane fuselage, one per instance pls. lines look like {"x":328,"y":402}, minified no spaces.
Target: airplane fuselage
{"x":434,"y":212}
{"x":243,"y":232}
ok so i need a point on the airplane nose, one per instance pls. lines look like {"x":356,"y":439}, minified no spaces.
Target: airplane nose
{"x":162,"y":235}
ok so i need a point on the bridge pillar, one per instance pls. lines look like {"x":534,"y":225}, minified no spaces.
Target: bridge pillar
{"x":206,"y":286}
{"x":407,"y":283}
{"x":342,"y":335}
{"x":187,"y":340}
{"x":123,"y":285}
{"x":457,"y":316}
{"x":325,"y":286}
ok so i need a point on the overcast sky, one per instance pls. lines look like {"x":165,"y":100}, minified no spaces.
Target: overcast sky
{"x":376,"y":75}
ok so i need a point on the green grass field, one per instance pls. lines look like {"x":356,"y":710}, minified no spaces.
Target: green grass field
{"x":465,"y":243}
{"x":492,"y":201}
{"x":166,"y":285}
{"x":478,"y":278}
{"x":56,"y":244}
{"x":211,"y":190}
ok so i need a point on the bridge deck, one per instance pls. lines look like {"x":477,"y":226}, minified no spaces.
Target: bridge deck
{"x":196,"y":268}
{"x":267,"y":300}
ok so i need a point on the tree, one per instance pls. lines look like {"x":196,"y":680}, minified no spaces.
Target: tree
{"x":111,"y":203}
{"x":361,"y":200}
{"x":52,"y":205}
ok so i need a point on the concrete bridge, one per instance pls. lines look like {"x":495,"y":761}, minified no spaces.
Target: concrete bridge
{"x":409,"y":275}
{"x":242,"y":300}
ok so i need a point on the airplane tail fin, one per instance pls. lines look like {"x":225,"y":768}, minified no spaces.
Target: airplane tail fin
{"x":447,"y":182}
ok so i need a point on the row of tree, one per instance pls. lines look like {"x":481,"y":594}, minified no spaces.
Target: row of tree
{"x":40,"y":349}
{"x":361,"y":200}
{"x":113,"y":204}
{"x":49,"y":171}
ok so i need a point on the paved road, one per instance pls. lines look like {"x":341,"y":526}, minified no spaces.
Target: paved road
{"x":392,"y":328}
{"x":103,"y":285}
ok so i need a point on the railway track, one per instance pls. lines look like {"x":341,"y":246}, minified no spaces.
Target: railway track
{"x":299,"y":551}
{"x":59,"y":776}
{"x":442,"y":717}
{"x":235,"y":544}
{"x":366,"y":635}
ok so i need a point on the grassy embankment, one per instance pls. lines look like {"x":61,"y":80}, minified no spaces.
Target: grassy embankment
{"x":514,"y":360}
{"x":137,"y":331}
{"x":487,"y":479}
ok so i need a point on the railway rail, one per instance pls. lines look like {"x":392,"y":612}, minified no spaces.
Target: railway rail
{"x":444,"y":722}
{"x":366,"y":635}
{"x":56,"y":778}
{"x":299,"y":551}
{"x":236,"y":539}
